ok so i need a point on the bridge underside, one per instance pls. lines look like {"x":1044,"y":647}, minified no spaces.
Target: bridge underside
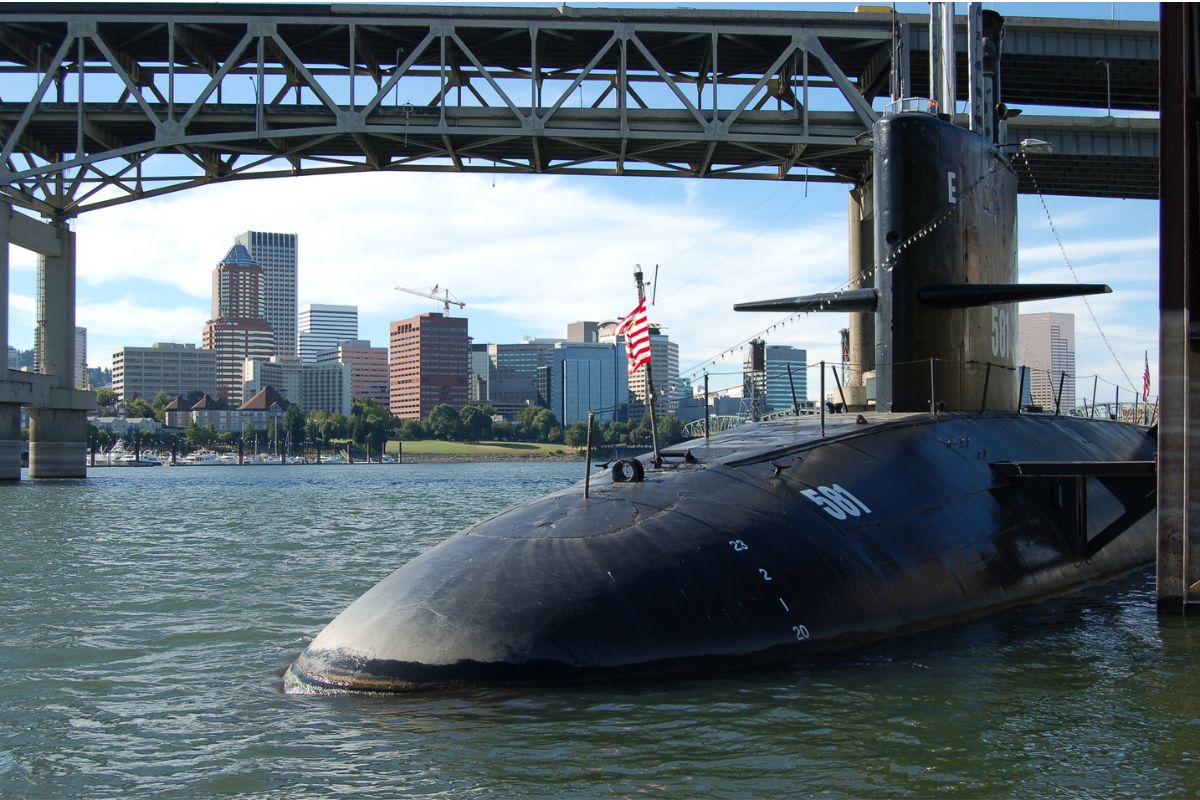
{"x":126,"y":102}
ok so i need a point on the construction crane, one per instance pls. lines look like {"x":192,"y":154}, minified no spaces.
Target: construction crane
{"x":445,"y":297}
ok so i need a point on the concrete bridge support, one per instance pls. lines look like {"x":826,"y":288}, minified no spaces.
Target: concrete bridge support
{"x":10,"y":413}
{"x":861,"y":219}
{"x":58,"y":411}
{"x":1178,"y":574}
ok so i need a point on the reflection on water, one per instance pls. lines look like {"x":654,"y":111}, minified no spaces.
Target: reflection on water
{"x":148,"y":613}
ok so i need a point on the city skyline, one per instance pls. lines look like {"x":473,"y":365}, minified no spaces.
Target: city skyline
{"x":529,"y":254}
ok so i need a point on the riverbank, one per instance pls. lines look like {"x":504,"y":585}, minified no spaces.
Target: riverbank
{"x":424,"y":450}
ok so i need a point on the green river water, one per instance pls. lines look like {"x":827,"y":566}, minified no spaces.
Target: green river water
{"x":148,"y":613}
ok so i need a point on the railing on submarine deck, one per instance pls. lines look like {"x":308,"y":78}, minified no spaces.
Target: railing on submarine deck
{"x":751,"y":395}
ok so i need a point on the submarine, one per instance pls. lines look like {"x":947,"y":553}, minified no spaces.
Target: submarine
{"x":943,"y":503}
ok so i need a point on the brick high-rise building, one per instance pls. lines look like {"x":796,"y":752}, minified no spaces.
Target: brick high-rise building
{"x":369,"y":368}
{"x":429,"y":364}
{"x":238,"y":329}
{"x":277,"y":254}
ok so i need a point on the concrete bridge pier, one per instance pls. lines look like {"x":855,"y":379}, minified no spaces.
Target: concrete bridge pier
{"x":57,"y":443}
{"x":10,"y":413}
{"x":58,"y":411}
{"x":10,"y":440}
{"x":861,"y":218}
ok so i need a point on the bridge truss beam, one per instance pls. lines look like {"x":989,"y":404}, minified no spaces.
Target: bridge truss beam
{"x":100,"y":107}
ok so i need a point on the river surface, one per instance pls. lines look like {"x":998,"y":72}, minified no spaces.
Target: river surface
{"x":148,"y":613}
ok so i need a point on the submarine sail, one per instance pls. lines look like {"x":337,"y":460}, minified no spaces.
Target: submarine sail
{"x":781,"y":538}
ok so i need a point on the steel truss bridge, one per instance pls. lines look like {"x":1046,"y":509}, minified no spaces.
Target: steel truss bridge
{"x":103,"y":104}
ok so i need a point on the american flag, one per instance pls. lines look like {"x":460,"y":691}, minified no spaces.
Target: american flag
{"x":636,"y":328}
{"x":1146,"y":378}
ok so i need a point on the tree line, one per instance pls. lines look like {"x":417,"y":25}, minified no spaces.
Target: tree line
{"x":370,"y":424}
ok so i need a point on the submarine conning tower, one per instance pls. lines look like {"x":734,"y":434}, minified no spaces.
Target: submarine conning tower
{"x":945,"y":222}
{"x":937,"y":285}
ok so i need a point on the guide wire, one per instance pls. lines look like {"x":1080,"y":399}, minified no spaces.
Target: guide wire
{"x":1062,"y":249}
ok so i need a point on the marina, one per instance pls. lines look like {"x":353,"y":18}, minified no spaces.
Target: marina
{"x":148,"y":658}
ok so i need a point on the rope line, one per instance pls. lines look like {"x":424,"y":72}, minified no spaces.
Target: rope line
{"x":1062,"y":249}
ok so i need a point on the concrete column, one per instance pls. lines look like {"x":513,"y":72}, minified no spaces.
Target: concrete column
{"x":10,"y":440}
{"x":5,"y":223}
{"x":10,"y":413}
{"x":58,"y":309}
{"x":58,"y":435}
{"x":861,"y":224}
{"x":57,"y":443}
{"x":1178,"y":568}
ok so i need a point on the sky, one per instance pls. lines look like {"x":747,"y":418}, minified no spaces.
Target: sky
{"x":530,"y":254}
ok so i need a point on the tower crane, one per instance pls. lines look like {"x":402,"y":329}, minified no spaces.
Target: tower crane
{"x":446,"y":298}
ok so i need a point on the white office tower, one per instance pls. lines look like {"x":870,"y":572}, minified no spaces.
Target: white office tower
{"x":322,"y":327}
{"x":276,"y":253}
{"x":782,"y":383}
{"x":664,"y":371}
{"x":1047,"y":348}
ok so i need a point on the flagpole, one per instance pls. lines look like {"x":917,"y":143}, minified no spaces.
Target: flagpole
{"x":657,"y":461}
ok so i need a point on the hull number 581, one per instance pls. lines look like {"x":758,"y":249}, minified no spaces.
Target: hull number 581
{"x":837,"y":502}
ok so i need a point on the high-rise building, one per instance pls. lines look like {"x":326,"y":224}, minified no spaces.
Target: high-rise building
{"x":369,"y":367}
{"x":429,"y":361}
{"x":313,"y":387}
{"x":583,"y":332}
{"x":234,"y":341}
{"x":323,"y":326}
{"x":81,"y":370}
{"x":775,"y":387}
{"x":587,"y":377}
{"x":277,"y":253}
{"x":481,"y":369}
{"x":239,"y":287}
{"x":237,"y":330}
{"x":664,"y":370}
{"x":177,"y":369}
{"x":1047,"y":348}
{"x":518,"y":375}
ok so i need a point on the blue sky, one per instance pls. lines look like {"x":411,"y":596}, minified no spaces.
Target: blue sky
{"x":529,"y":254}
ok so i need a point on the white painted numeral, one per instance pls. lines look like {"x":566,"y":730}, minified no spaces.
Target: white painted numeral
{"x":1001,"y":325}
{"x":764,"y":574}
{"x":801,"y":632}
{"x":838,"y":503}
{"x":738,"y":545}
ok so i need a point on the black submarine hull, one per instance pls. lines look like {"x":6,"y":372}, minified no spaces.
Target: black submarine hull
{"x":767,"y":543}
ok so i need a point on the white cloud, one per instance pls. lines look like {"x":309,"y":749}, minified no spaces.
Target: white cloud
{"x":137,"y":322}
{"x":1142,"y":248}
{"x":22,"y":303}
{"x":527,"y":254}
{"x":530,"y":254}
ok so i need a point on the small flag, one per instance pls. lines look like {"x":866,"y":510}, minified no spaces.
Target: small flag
{"x":1146,"y":378}
{"x":636,"y":328}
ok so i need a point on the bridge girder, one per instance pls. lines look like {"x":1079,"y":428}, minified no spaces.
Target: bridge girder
{"x":120,"y":105}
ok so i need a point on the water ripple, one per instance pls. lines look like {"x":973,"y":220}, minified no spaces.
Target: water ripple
{"x":148,"y":614}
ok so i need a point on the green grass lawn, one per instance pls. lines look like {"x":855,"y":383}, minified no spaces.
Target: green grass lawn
{"x":432,"y":446}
